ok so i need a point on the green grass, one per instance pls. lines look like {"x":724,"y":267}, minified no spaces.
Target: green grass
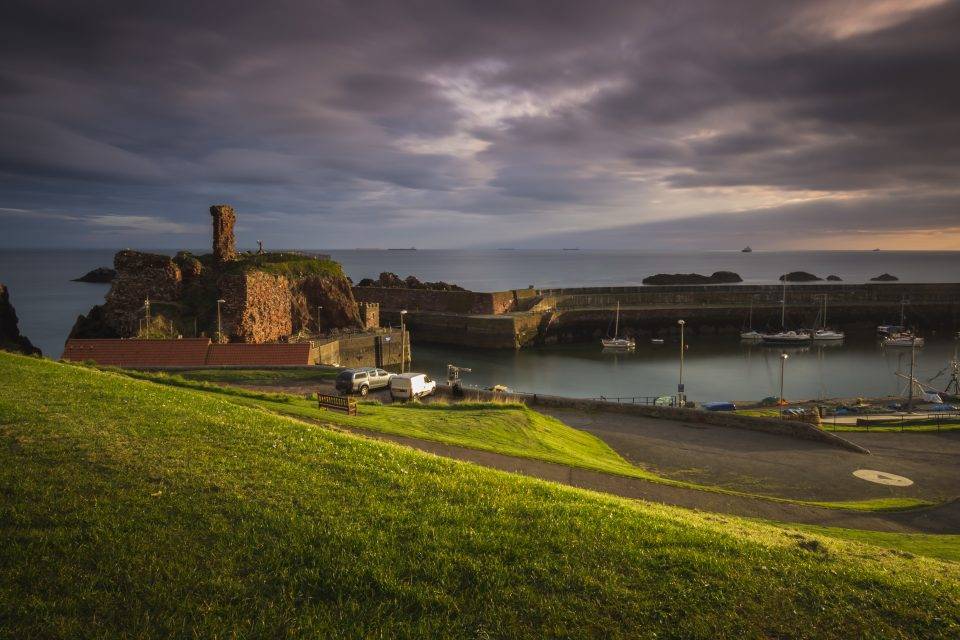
{"x":944,"y":547}
{"x":141,"y":510}
{"x":260,"y":376}
{"x":510,"y":429}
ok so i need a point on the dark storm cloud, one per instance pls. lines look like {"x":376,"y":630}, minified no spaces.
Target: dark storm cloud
{"x":430,"y":119}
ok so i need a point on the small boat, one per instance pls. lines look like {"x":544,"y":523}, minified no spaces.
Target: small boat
{"x":750,"y":333}
{"x":828,"y":334}
{"x":885,"y":330}
{"x":617,"y":342}
{"x":787,"y":337}
{"x":783,"y":336}
{"x":906,"y":339}
{"x":825,"y":334}
{"x":656,"y":341}
{"x":746,"y":249}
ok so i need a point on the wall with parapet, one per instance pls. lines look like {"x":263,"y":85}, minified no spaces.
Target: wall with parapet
{"x":471,"y":302}
{"x":790,"y":428}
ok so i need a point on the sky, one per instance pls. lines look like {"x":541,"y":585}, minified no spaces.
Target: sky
{"x":822,"y":124}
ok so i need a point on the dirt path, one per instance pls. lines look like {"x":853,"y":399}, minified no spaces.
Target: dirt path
{"x":943,"y":519}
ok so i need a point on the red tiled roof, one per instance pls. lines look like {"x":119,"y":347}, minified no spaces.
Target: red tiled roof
{"x":259,"y":354}
{"x":187,"y":352}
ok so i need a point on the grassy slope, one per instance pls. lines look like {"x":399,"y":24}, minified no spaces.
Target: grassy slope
{"x":511,"y":429}
{"x":133,"y":508}
{"x":258,"y":376}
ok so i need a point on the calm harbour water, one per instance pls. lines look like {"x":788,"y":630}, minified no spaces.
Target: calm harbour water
{"x":716,"y":368}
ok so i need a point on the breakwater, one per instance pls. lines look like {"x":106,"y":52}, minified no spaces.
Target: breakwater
{"x":517,"y":318}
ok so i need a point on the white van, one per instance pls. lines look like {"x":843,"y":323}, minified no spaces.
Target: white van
{"x":407,"y":386}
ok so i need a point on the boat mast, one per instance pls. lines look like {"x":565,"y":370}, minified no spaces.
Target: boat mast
{"x":616,"y":326}
{"x":783,"y":306}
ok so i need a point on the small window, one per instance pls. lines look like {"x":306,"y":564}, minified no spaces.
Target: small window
{"x":360,"y":376}
{"x":381,"y":372}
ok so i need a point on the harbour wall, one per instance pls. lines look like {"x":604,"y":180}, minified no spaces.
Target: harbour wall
{"x":517,"y":318}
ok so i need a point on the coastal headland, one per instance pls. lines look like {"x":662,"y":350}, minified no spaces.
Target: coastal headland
{"x":523,"y":317}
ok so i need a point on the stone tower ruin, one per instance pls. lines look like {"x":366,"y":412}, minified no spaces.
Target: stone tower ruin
{"x":224,"y":245}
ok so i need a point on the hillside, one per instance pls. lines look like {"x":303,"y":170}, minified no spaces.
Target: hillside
{"x":137,"y":509}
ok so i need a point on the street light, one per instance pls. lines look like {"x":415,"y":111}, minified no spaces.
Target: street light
{"x":319,"y":308}
{"x":403,"y":343}
{"x":680,"y":391}
{"x":783,"y":362}
{"x":219,"y":325}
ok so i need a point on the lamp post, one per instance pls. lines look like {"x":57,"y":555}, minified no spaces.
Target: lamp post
{"x":319,"y":309}
{"x":680,"y":391}
{"x":403,"y":342}
{"x":219,"y":324}
{"x":783,"y":362}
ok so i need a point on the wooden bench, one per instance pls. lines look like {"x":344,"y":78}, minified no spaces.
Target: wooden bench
{"x":338,"y":403}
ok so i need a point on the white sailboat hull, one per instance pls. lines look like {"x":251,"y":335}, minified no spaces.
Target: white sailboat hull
{"x":618,"y":343}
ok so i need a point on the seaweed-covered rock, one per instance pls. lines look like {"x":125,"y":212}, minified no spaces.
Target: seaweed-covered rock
{"x":99,"y":275}
{"x":799,"y":276}
{"x":10,"y":337}
{"x":390,"y":280}
{"x":717,"y":277}
{"x":833,"y":278}
{"x":884,"y":277}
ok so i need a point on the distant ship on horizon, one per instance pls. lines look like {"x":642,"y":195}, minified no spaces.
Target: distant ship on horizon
{"x":746,"y":249}
{"x":403,"y":249}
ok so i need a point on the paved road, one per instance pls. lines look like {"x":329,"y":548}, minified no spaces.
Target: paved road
{"x":776,"y":465}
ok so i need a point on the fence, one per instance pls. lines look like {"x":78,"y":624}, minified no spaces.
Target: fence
{"x":666,"y":401}
{"x":933,"y":420}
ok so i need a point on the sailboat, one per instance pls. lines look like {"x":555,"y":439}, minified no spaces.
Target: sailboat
{"x":901,"y":337}
{"x":617,"y":342}
{"x":751,"y":333}
{"x":823,"y":334}
{"x":784,"y":336}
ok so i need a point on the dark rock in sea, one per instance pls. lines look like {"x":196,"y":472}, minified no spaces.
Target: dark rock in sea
{"x":884,"y":277}
{"x":100,"y":274}
{"x":833,"y":278}
{"x":799,"y":276}
{"x":10,"y":338}
{"x":390,"y":280}
{"x":717,"y":277}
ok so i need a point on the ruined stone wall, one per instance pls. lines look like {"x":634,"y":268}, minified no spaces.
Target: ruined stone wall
{"x":369,"y":315}
{"x":266,"y":313}
{"x":140,"y":276}
{"x":394,"y":299}
{"x":337,"y":306}
{"x":224,"y":245}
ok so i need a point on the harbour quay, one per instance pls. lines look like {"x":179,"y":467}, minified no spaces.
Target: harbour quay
{"x":517,"y":318}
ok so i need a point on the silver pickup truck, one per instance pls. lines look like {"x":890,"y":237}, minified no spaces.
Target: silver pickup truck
{"x":362,"y":380}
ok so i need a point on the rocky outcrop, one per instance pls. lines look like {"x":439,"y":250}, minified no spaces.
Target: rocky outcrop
{"x":224,"y":245}
{"x":832,"y":278}
{"x":10,"y":338}
{"x":717,"y":277}
{"x":884,"y":277}
{"x":333,"y":296}
{"x":390,"y":280}
{"x":799,"y":276}
{"x":100,"y":275}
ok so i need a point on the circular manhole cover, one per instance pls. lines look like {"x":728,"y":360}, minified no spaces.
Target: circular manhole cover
{"x":882,"y":477}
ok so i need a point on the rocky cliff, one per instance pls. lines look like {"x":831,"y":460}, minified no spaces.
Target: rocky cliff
{"x":10,"y":338}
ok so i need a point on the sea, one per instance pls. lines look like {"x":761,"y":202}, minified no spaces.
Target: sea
{"x":715,"y":368}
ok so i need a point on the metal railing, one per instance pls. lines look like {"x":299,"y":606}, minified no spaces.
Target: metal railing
{"x":637,"y":399}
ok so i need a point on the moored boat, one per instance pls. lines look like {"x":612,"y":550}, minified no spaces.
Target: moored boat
{"x":787,"y":337}
{"x":905,"y":339}
{"x":616,"y":342}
